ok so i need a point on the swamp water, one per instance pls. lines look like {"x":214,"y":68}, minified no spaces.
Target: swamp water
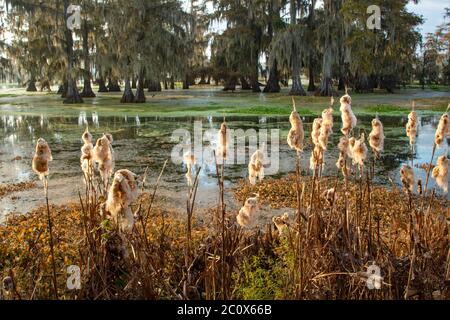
{"x":145,"y":141}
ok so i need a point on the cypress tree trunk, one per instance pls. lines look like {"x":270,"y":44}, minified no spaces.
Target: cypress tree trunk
{"x":133,"y":83}
{"x":186,"y":82}
{"x":140,"y":94}
{"x":297,"y":88}
{"x":87,"y":89}
{"x":273,"y":82}
{"x":72,"y":96}
{"x":32,"y":84}
{"x":244,"y":84}
{"x":230,"y":84}
{"x":113,"y":85}
{"x":311,"y":85}
{"x":172,"y":83}
{"x":154,"y":86}
{"x":341,"y":84}
{"x":166,"y":85}
{"x":60,"y":89}
{"x":326,"y":86}
{"x":101,"y":85}
{"x":128,"y":96}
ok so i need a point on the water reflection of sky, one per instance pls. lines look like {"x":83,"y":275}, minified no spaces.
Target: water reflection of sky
{"x":146,"y":141}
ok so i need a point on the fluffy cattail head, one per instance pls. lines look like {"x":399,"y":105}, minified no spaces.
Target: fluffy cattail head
{"x":440,"y":173}
{"x":315,"y":132}
{"x":442,"y":130}
{"x":256,"y":167}
{"x":411,"y":127}
{"x":316,"y":159}
{"x":223,"y":141}
{"x":123,"y":191}
{"x":109,"y":137}
{"x":281,"y":222}
{"x":376,"y":137}
{"x":41,"y":158}
{"x":407,"y":178}
{"x":247,"y":214}
{"x":87,"y":136}
{"x":348,"y":118}
{"x":345,"y":99}
{"x":296,"y":134}
{"x":359,"y":151}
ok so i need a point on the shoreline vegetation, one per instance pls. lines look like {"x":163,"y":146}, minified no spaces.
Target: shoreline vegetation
{"x":197,"y":102}
{"x":129,"y":246}
{"x":262,"y":263}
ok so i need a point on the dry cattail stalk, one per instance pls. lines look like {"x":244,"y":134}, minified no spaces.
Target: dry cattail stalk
{"x":87,"y":136}
{"x":41,"y":158}
{"x":87,"y":159}
{"x":281,"y":222}
{"x":443,"y":129}
{"x":330,"y":196}
{"x":222,"y":147}
{"x":256,"y":166}
{"x":419,"y":186}
{"x":296,"y":134}
{"x":189,"y":160}
{"x":440,"y":173}
{"x":348,"y":118}
{"x":315,"y":132}
{"x":376,"y":137}
{"x":103,"y":155}
{"x":359,"y":151}
{"x":316,"y":159}
{"x":247,"y":215}
{"x":87,"y":154}
{"x":341,"y":164}
{"x":411,"y":126}
{"x":326,"y":128}
{"x":407,"y":178}
{"x":123,"y":191}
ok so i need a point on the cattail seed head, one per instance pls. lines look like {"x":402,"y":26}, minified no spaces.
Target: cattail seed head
{"x":440,"y":173}
{"x":223,"y":141}
{"x":248,"y":213}
{"x":190,"y":160}
{"x":256,"y":167}
{"x":443,"y":129}
{"x":296,"y":134}
{"x":348,"y":118}
{"x":316,"y":159}
{"x":281,"y":222}
{"x":359,"y":151}
{"x":315,"y":132}
{"x":87,"y":137}
{"x":103,"y":155}
{"x":122,"y":192}
{"x":411,"y":127}
{"x":326,"y":128}
{"x":407,"y":178}
{"x":376,"y":137}
{"x":41,"y":158}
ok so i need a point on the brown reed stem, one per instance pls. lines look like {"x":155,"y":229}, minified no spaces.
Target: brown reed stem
{"x":429,"y":170}
{"x":52,"y":253}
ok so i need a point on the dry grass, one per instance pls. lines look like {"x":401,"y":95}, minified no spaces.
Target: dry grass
{"x":316,"y":259}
